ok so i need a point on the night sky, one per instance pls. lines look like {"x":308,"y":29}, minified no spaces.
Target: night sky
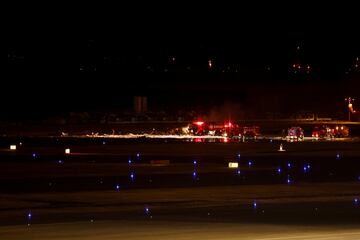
{"x":163,"y":52}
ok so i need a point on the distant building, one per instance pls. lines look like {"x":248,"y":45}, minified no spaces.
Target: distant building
{"x":140,"y":104}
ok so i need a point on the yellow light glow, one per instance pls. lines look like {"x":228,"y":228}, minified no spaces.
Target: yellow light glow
{"x":210,"y":63}
{"x":160,"y":162}
{"x":67,"y":151}
{"x":233,"y":164}
{"x":12,"y":147}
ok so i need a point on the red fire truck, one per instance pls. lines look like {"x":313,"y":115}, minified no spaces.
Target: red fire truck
{"x":341,"y":131}
{"x":251,"y":131}
{"x":227,"y":129}
{"x":330,"y":132}
{"x":295,"y":133}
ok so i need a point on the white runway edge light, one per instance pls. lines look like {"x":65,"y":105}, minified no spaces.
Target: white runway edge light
{"x":12,"y":147}
{"x":67,"y":151}
{"x":281,"y":149}
{"x":233,"y":164}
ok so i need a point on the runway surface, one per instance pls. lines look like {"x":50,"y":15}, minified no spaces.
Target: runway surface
{"x":113,"y":190}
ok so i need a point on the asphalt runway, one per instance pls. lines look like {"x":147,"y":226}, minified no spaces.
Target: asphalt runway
{"x":177,"y":231}
{"x":96,"y":193}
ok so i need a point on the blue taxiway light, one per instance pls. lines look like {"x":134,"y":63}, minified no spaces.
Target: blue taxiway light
{"x":288,"y":180}
{"x":132,"y":176}
{"x":29,"y":215}
{"x":147,"y":210}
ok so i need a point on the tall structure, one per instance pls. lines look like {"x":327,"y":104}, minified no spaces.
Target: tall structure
{"x":350,"y":107}
{"x":140,"y":104}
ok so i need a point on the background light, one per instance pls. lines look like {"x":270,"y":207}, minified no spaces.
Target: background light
{"x":233,"y":164}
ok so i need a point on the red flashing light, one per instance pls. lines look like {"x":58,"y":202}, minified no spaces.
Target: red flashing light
{"x":230,"y":125}
{"x":199,"y":123}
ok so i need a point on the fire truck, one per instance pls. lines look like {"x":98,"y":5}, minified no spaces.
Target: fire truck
{"x":341,"y":131}
{"x":322,"y":132}
{"x":251,"y":131}
{"x":330,"y":132}
{"x":295,"y":133}
{"x":198,"y":128}
{"x":227,"y":129}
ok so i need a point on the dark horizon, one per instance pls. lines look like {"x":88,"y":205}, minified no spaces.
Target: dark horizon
{"x":165,"y":55}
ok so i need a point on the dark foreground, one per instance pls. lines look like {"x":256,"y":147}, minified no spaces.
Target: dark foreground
{"x":310,"y":191}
